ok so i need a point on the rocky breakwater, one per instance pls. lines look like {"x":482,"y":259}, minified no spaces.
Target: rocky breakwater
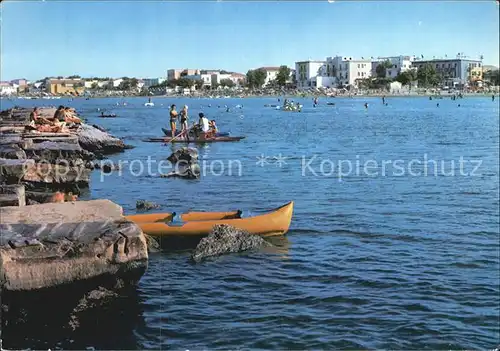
{"x":59,"y":260}
{"x":48,"y":162}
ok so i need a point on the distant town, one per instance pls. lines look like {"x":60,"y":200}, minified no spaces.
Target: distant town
{"x":396,"y":73}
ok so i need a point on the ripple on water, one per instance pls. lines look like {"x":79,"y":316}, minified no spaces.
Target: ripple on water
{"x":370,"y":262}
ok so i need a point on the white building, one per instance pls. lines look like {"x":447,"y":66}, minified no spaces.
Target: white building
{"x":117,"y":82}
{"x":398,"y":64}
{"x":105,"y":83}
{"x":307,"y":71}
{"x":207,"y":79}
{"x":7,"y":89}
{"x":271,"y":73}
{"x":347,"y":70}
{"x":217,"y":77}
{"x":149,"y":82}
{"x":89,"y":83}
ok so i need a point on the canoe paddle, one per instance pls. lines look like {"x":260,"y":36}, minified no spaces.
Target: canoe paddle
{"x":180,"y":134}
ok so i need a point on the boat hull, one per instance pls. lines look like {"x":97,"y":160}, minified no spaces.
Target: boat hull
{"x":194,"y":141}
{"x":168,"y":133}
{"x":189,"y":216}
{"x":274,"y":223}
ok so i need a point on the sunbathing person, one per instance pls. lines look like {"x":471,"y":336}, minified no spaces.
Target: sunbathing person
{"x":70,"y":116}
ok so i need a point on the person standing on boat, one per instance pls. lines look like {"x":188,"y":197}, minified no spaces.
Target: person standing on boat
{"x":184,"y":121}
{"x":173,"y":118}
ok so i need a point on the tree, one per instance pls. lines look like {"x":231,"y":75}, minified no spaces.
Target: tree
{"x":171,"y":83}
{"x":250,"y":78}
{"x":185,"y":83}
{"x":74,"y":76}
{"x":492,"y":76}
{"x":124,"y":85}
{"x":256,"y":78}
{"x":283,"y":76}
{"x":227,"y":83}
{"x":407,"y":77}
{"x":133,"y":83}
{"x":198,"y":84}
{"x":94,"y":86}
{"x":427,"y":76}
{"x":382,"y":67}
{"x":260,"y":77}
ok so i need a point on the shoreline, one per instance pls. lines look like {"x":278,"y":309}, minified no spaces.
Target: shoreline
{"x":266,"y":95}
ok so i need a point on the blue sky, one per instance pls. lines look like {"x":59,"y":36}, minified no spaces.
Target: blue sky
{"x":145,"y":38}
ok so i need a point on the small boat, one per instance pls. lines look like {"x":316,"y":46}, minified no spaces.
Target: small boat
{"x":330,"y":103}
{"x":177,"y":132}
{"x":186,"y":217}
{"x":108,"y":116}
{"x":149,"y":104}
{"x":194,"y":141}
{"x":276,"y":222}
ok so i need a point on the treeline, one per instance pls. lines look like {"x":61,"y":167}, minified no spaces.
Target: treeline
{"x":257,"y":78}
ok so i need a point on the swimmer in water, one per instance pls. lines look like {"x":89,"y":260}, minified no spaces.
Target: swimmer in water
{"x":437,"y":105}
{"x":366,"y":105}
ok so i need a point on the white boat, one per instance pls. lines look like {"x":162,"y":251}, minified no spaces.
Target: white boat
{"x":149,"y":104}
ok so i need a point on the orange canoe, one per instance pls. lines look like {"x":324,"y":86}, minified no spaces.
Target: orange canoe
{"x":275,"y":222}
{"x":186,"y":217}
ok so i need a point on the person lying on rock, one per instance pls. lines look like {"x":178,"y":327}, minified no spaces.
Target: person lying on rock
{"x":70,"y":116}
{"x":42,"y":124}
{"x":36,"y":119}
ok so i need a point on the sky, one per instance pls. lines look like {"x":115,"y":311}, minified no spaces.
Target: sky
{"x":146,"y":38}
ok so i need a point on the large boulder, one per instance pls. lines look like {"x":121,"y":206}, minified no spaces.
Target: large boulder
{"x":184,"y":170}
{"x":186,"y":154}
{"x":48,"y":245}
{"x":99,"y":142}
{"x":72,"y":264}
{"x":226,"y":239}
{"x":145,"y":205}
{"x":185,"y":163}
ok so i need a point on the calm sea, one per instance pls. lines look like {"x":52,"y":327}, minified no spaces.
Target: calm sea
{"x":394,"y":241}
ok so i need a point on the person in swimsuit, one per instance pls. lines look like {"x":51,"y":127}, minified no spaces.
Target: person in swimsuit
{"x":173,"y":118}
{"x":184,"y":118}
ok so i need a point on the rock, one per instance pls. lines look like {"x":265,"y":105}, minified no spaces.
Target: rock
{"x":12,"y":151}
{"x":153,"y":244}
{"x":95,"y":299}
{"x":106,"y":167}
{"x":187,"y":171}
{"x":146,"y":205}
{"x":226,"y":239}
{"x":60,"y":243}
{"x":59,"y":152}
{"x":57,"y":174}
{"x":102,"y":129}
{"x":12,"y":195}
{"x":32,"y":202}
{"x":187,"y":154}
{"x":97,"y":141}
{"x":13,"y":171}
